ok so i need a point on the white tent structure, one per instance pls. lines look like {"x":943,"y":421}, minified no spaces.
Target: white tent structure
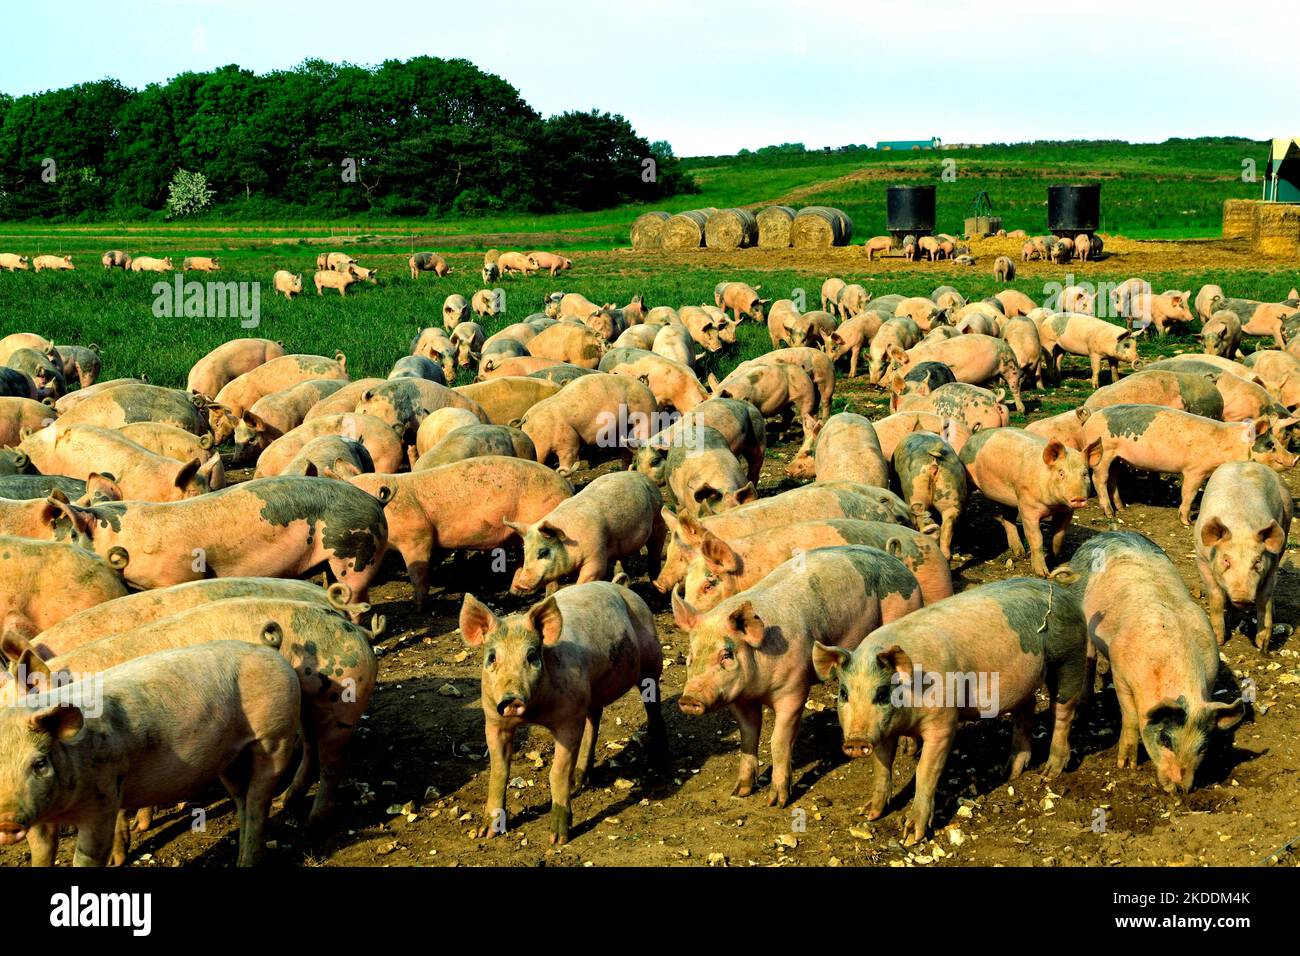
{"x":1282,"y":176}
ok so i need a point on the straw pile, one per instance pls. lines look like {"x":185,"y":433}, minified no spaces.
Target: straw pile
{"x":731,"y":229}
{"x":1238,"y":218}
{"x":774,"y":224}
{"x":820,"y":227}
{"x":686,"y":229}
{"x":648,"y":230}
{"x":1276,"y":229}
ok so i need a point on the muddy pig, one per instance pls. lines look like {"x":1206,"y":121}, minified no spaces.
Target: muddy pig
{"x":932,"y":478}
{"x":844,"y":447}
{"x":597,"y":410}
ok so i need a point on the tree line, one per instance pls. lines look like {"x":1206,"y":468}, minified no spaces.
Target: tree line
{"x":423,"y":137}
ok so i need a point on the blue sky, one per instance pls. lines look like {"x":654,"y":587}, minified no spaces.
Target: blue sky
{"x":712,"y":76}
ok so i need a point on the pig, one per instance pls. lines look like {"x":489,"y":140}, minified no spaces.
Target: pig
{"x":809,"y":330}
{"x":637,"y":337}
{"x":1022,"y":335}
{"x":559,"y":665}
{"x":1205,"y":301}
{"x":18,"y":384}
{"x":329,"y":279}
{"x":24,"y":340}
{"x":774,"y":389}
{"x":704,"y":475}
{"x":44,"y":369}
{"x":922,"y":675}
{"x":853,"y":299}
{"x":404,"y":402}
{"x":427,"y":262}
{"x":1279,"y":373}
{"x":73,"y":399}
{"x":417,"y":366}
{"x":877,"y":245}
{"x":1076,"y":334}
{"x":281,"y":412}
{"x":974,"y":359}
{"x":366,"y":275}
{"x":43,"y":582}
{"x":594,"y":410}
{"x":378,"y":435}
{"x":1188,"y":391}
{"x":13,"y":462}
{"x":1082,"y":246}
{"x":167,"y":725}
{"x":842,"y":448}
{"x":13,"y":263}
{"x":1165,"y":311}
{"x":740,"y":423}
{"x":780,"y":316}
{"x":18,"y":416}
{"x":151,"y":264}
{"x":1067,"y":427}
{"x":909,"y":248}
{"x":288,"y":527}
{"x":932,"y":478}
{"x":674,"y":342}
{"x":334,"y":262}
{"x":492,"y":489}
{"x":929,"y":247}
{"x":116,"y":259}
{"x":742,"y":299}
{"x":510,"y":262}
{"x":921,"y":310}
{"x":569,"y":342}
{"x":979,"y":323}
{"x":1221,"y":334}
{"x":30,"y":487}
{"x":79,"y":451}
{"x":549,"y":261}
{"x":1123,"y":295}
{"x":754,"y":649}
{"x":718,"y":569}
{"x":832,"y":499}
{"x":947,"y":298}
{"x":286,"y":283}
{"x":830,"y":294}
{"x":494,"y":366}
{"x":80,"y":363}
{"x":440,"y":423}
{"x":1240,"y":538}
{"x":139,"y":403}
{"x":477,"y":439}
{"x":52,"y":263}
{"x":201,"y":264}
{"x":674,"y":385}
{"x":1169,"y":441}
{"x":227,"y":362}
{"x":1259,"y":318}
{"x":468,"y":338}
{"x":572,"y":305}
{"x":507,"y":399}
{"x":1039,"y":478}
{"x":851,"y":337}
{"x":455,"y":310}
{"x":613,"y":517}
{"x":275,"y":375}
{"x":331,"y":456}
{"x":1063,"y":250}
{"x":437,"y":346}
{"x":1162,"y":654}
{"x":1035,"y":248}
{"x":703,"y":328}
{"x":972,"y":406}
{"x":892,"y":429}
{"x":897,"y":333}
{"x":178,"y":445}
{"x":486,"y":304}
{"x":1075,"y":298}
{"x":501,"y":349}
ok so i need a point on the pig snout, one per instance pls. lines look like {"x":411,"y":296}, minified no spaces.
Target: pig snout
{"x":524,"y":583}
{"x":691,"y":706}
{"x":856,"y":747}
{"x":511,"y":705}
{"x":11,"y":831}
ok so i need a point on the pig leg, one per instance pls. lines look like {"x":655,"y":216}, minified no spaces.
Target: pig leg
{"x":1012,"y":380}
{"x":568,"y":738}
{"x":501,"y":747}
{"x":785,"y":728}
{"x":1214,"y":595}
{"x":1034,"y":537}
{"x":121,"y":841}
{"x":567,"y":452}
{"x":587,"y":750}
{"x":657,"y":745}
{"x":1101,"y":483}
{"x":946,"y":530}
{"x":1022,"y":738}
{"x":1192,"y":482}
{"x":270,"y":759}
{"x":1060,"y":524}
{"x":1012,"y":532}
{"x":934,"y":754}
{"x":43,"y":841}
{"x":329,"y":756}
{"x":749,"y":715}
{"x":1128,"y":730}
{"x":1114,"y":369}
{"x":95,"y":839}
{"x":1264,"y":614}
{"x":853,"y":362}
{"x":1063,"y":712}
{"x":882,"y":780}
{"x":1095,"y":359}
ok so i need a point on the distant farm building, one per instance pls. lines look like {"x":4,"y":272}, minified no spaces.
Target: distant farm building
{"x":1282,"y":175}
{"x":901,"y":144}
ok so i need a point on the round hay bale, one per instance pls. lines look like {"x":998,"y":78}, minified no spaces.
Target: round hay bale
{"x":774,"y":224}
{"x":1238,"y":218}
{"x":731,"y":229}
{"x":648,"y":230}
{"x":686,"y":229}
{"x":820,"y":227}
{"x":1277,"y":229}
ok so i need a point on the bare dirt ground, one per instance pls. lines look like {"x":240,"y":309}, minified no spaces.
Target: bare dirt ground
{"x":419,"y":772}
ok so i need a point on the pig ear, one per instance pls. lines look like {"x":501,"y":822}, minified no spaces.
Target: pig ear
{"x":689,"y":530}
{"x":684,"y":615}
{"x":1261,"y":426}
{"x":547,"y":620}
{"x":310,"y":470}
{"x":1053,"y":452}
{"x":517,"y":527}
{"x":747,"y":493}
{"x":718,"y":554}
{"x":1215,"y":533}
{"x":1123,"y":335}
{"x":827,"y":659}
{"x":1227,"y":716}
{"x":476,"y":621}
{"x":895,"y":659}
{"x":1273,"y":537}
{"x":345,"y":469}
{"x":1167,"y":711}
{"x":1082,"y":413}
{"x":13,"y":646}
{"x":62,"y":722}
{"x":102,"y":488}
{"x":745,"y":623}
{"x":1093,"y":453}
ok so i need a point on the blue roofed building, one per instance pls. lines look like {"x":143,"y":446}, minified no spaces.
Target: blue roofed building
{"x":897,"y":144}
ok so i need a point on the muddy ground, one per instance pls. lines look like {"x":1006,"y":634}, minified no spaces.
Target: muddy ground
{"x":419,"y":770}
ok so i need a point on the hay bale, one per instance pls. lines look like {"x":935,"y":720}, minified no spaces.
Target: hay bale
{"x":820,"y":227}
{"x":731,"y":229}
{"x":1238,"y":218}
{"x":1276,"y":230}
{"x":648,"y":230}
{"x":686,"y":229}
{"x":774,"y":224}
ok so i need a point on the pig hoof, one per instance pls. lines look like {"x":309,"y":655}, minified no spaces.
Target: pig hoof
{"x":561,"y":820}
{"x":779,"y":798}
{"x":875,"y":812}
{"x":742,"y":790}
{"x":907,"y":746}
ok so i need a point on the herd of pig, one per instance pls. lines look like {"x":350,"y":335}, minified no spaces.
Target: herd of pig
{"x":134,"y":577}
